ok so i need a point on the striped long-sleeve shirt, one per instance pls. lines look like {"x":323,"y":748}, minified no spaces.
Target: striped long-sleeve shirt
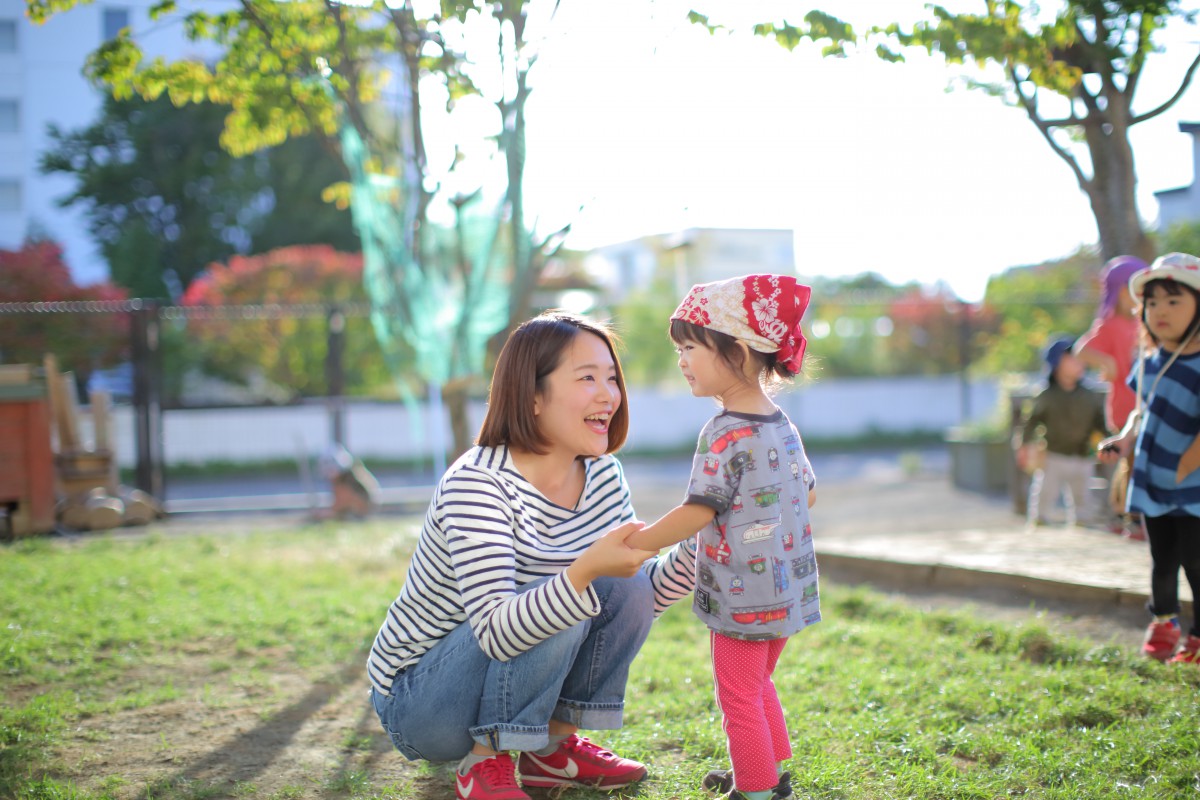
{"x":487,"y":533}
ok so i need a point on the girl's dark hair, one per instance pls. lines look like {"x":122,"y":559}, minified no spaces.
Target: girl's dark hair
{"x":532,"y":352}
{"x":770,"y":372}
{"x":1173,"y":288}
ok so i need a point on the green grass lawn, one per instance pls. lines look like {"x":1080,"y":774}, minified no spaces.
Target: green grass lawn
{"x":110,"y":647}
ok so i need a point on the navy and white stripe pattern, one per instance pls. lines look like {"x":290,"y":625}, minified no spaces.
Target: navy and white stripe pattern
{"x":1171,"y":420}
{"x":487,"y":533}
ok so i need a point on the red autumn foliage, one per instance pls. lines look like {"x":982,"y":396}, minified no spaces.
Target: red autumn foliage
{"x":300,"y":274}
{"x":289,"y":350}
{"x":82,"y":338}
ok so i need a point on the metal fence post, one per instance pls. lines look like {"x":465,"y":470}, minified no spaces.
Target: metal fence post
{"x":147,"y":397}
{"x":335,"y":375}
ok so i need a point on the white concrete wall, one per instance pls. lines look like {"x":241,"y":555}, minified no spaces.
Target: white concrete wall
{"x":661,"y":420}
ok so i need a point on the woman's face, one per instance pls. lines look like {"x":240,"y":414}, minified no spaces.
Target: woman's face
{"x":579,"y":398}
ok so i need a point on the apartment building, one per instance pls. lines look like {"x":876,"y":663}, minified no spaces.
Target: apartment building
{"x":42,"y":83}
{"x":694,"y":255}
{"x":1182,"y":204}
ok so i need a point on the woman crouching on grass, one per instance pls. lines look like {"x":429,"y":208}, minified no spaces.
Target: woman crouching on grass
{"x":519,"y":617}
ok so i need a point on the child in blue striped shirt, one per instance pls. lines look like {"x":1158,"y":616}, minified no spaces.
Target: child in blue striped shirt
{"x":1165,"y":486}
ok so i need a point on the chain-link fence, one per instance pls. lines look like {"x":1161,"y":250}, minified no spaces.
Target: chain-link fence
{"x":268,"y":384}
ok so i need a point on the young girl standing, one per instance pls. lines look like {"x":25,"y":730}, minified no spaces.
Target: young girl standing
{"x":1165,"y":487}
{"x":1110,"y":345}
{"x":748,"y":499}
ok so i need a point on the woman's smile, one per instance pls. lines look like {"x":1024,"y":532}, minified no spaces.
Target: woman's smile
{"x":598,"y":422}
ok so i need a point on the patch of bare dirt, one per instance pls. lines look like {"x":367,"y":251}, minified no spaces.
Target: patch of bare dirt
{"x":294,"y":736}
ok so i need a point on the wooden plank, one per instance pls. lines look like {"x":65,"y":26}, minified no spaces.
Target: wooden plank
{"x":16,"y":374}
{"x":54,"y":392}
{"x":101,"y":420}
{"x":68,"y":432}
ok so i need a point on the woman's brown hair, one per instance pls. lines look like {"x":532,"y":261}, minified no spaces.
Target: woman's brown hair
{"x":532,"y":352}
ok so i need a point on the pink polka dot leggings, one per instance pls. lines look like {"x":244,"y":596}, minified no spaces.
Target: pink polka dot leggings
{"x":752,"y":716}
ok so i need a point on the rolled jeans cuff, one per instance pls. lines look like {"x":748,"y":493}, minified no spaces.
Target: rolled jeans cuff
{"x":591,"y":716}
{"x":511,"y":737}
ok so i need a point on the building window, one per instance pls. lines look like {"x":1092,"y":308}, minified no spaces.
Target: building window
{"x":8,"y":36}
{"x":114,"y":20}
{"x":10,"y":118}
{"x":10,"y":194}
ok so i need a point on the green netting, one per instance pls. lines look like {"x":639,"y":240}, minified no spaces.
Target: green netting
{"x":432,"y":319}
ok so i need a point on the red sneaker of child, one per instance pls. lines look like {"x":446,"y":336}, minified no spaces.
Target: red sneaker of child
{"x":1162,"y":637}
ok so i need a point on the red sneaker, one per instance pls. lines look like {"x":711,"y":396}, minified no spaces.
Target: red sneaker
{"x":579,"y":762}
{"x":1190,"y":652}
{"x":491,"y":779}
{"x":1161,"y":639}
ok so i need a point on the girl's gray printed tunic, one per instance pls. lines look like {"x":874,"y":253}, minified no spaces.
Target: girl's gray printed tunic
{"x":756,"y":571}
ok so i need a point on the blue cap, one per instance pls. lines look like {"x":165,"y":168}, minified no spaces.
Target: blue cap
{"x":1055,"y":350}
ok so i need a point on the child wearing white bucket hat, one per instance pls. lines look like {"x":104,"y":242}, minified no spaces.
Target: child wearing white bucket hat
{"x":1165,"y":485}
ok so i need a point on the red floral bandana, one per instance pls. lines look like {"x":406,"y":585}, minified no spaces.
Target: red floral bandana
{"x":764,"y":311}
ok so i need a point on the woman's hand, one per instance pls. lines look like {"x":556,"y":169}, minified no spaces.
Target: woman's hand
{"x":609,"y":556}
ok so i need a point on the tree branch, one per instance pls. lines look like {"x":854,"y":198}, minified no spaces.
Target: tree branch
{"x":352,"y":100}
{"x":1187,"y":79}
{"x":1029,"y":103}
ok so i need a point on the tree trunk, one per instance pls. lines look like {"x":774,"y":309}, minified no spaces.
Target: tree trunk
{"x":1112,"y":191}
{"x":1117,"y":222}
{"x":455,"y":396}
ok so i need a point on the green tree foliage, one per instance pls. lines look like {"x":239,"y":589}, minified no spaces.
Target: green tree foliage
{"x":1073,"y":67}
{"x":1182,"y":237}
{"x":933,"y":332}
{"x":642,"y":320}
{"x":164,"y":200}
{"x":287,"y":349}
{"x":1035,"y":303}
{"x":865,"y":326}
{"x":83,"y":341}
{"x":308,"y":66}
{"x":857,"y":326}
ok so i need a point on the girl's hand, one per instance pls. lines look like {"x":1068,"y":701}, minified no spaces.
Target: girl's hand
{"x":609,"y":556}
{"x":1113,"y":449}
{"x":1189,"y":461}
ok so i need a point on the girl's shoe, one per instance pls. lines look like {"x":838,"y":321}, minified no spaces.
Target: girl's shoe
{"x":1190,"y":652}
{"x":1162,"y":637}
{"x":721,"y":782}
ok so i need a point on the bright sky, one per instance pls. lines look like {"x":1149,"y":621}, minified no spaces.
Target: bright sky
{"x":652,"y":125}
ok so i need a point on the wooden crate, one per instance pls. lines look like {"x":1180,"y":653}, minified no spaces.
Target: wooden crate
{"x":26,"y":460}
{"x":81,"y":471}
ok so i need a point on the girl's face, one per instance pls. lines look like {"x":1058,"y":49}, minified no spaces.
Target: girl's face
{"x":580,"y":397}
{"x":707,"y":374}
{"x":1168,"y":316}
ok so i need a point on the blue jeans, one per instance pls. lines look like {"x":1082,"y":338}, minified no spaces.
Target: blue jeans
{"x":456,"y":696}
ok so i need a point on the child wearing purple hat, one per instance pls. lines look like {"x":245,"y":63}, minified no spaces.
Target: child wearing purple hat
{"x":1110,"y":345}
